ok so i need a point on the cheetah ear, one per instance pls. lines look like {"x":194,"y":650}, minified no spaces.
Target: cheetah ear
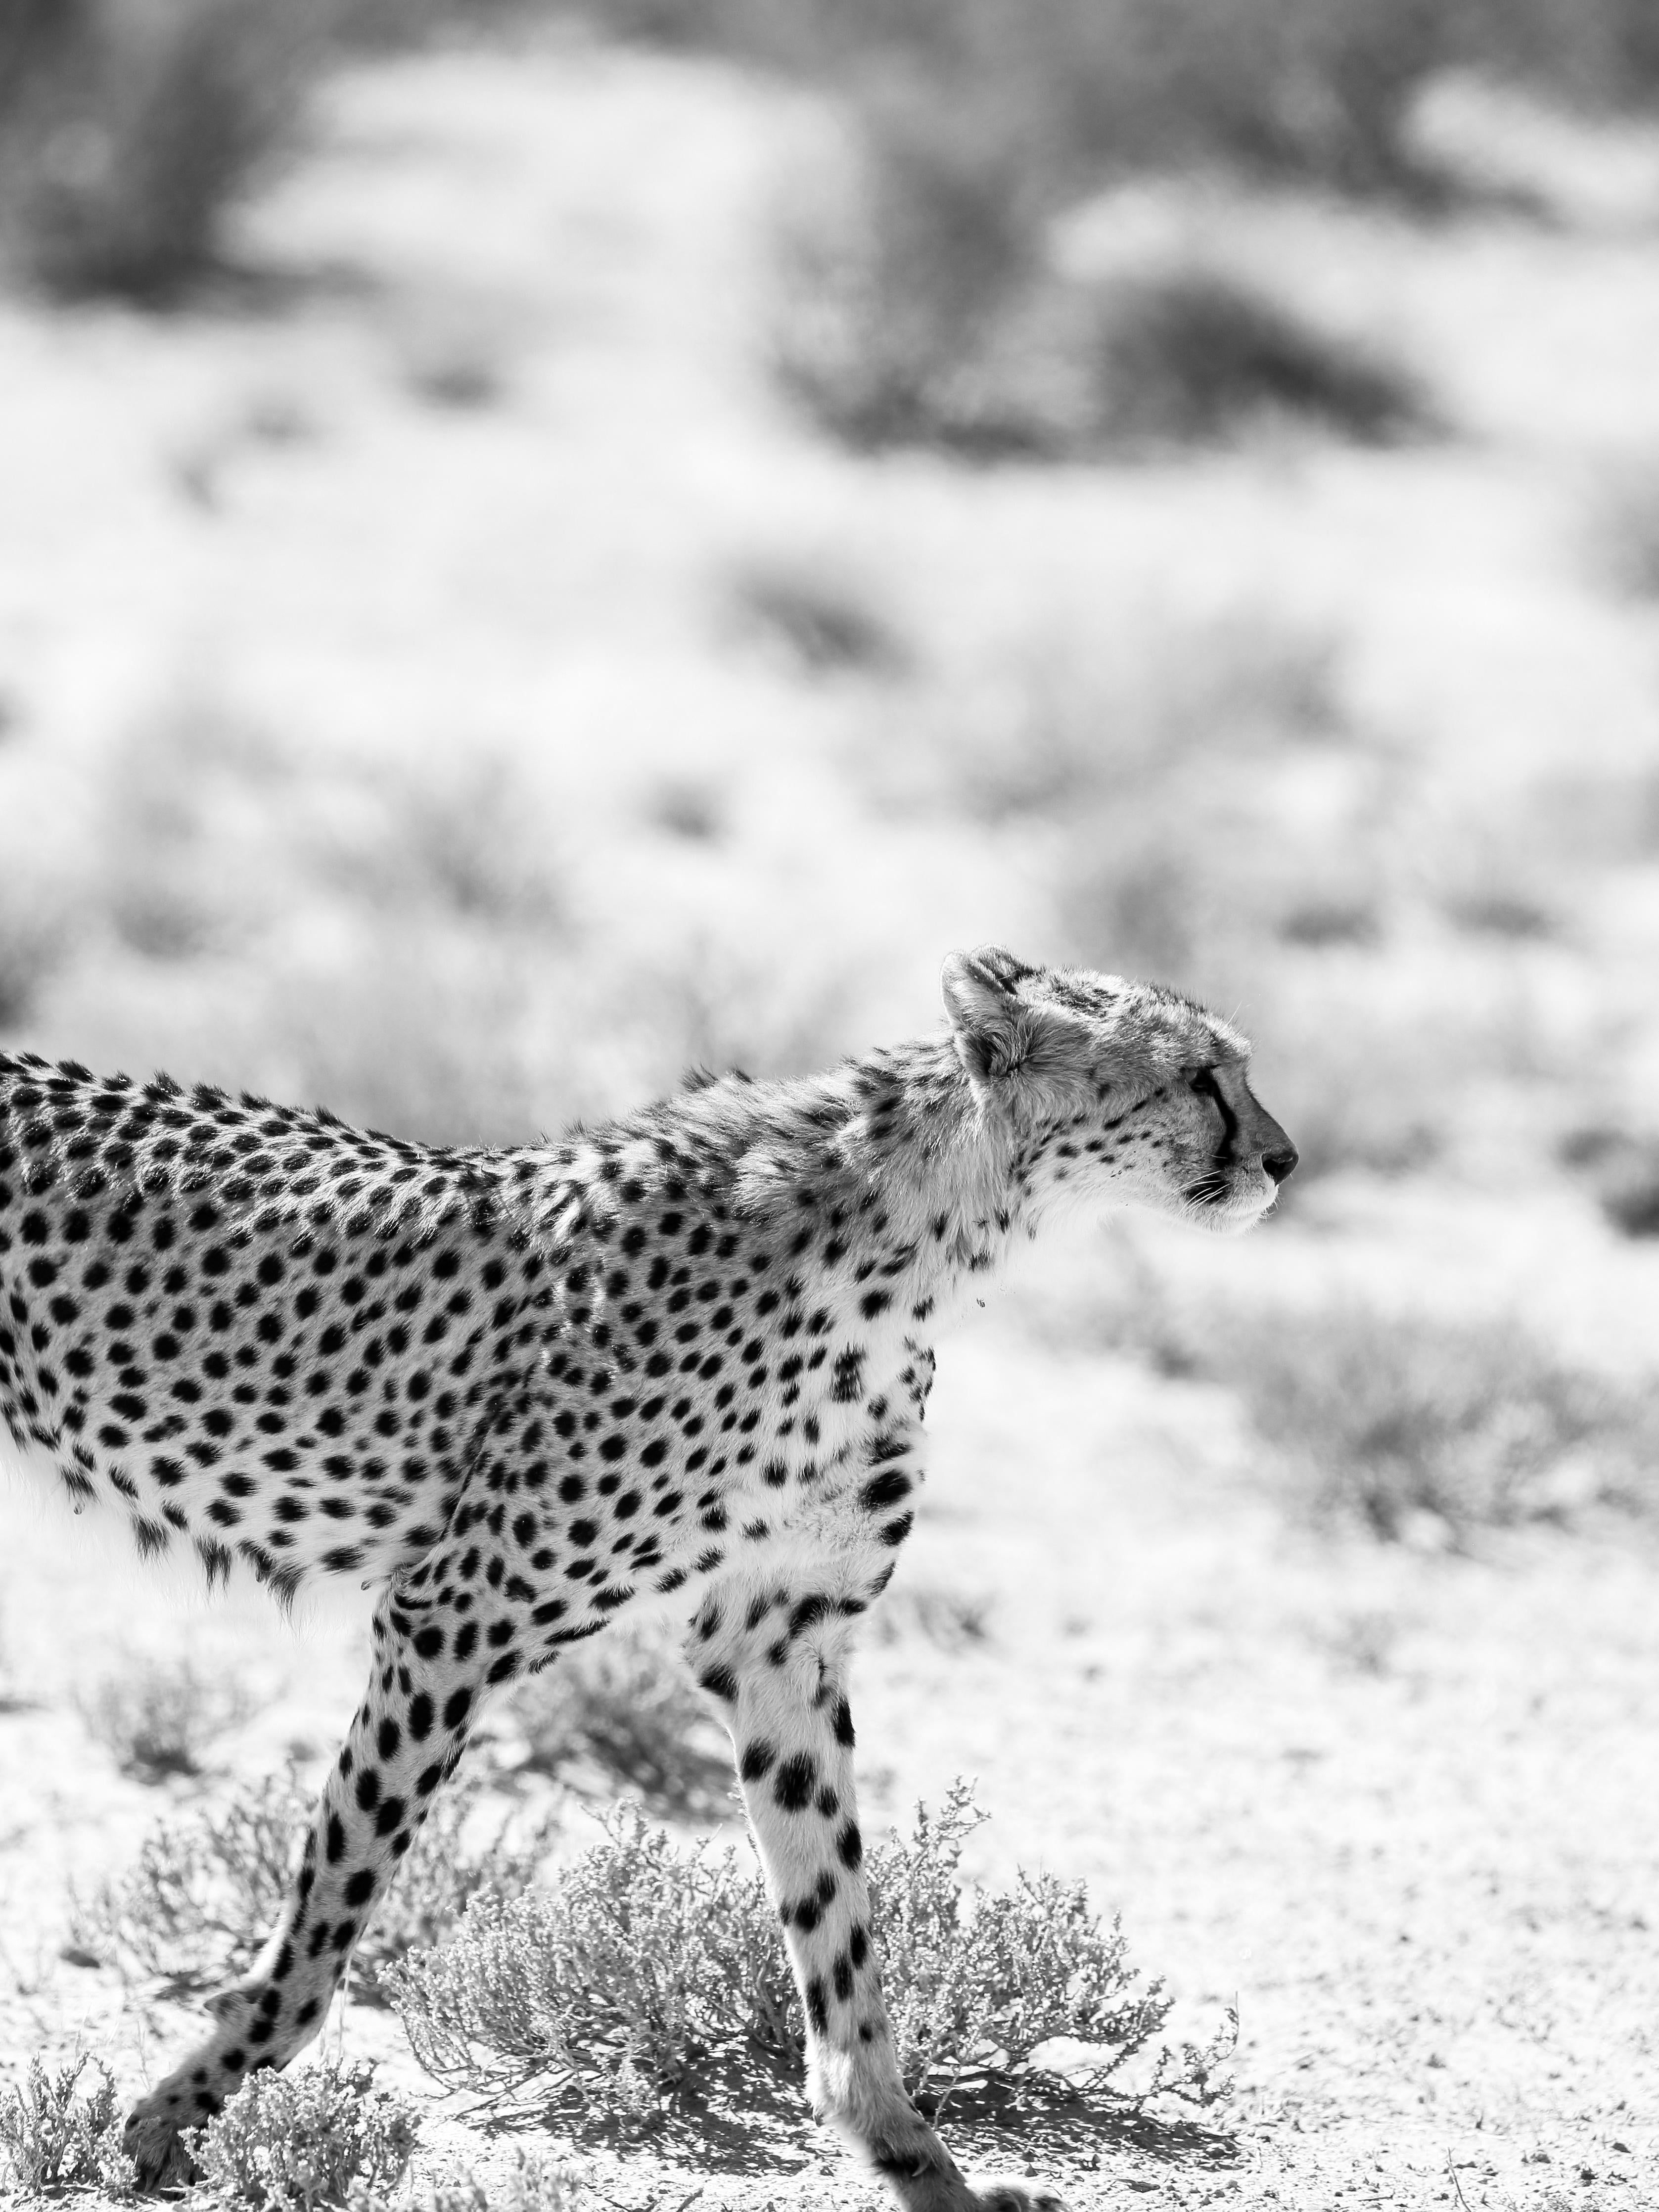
{"x":996,"y":1031}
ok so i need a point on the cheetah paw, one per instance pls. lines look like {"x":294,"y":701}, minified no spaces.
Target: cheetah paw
{"x":151,"y":2140}
{"x":1014,"y":2197}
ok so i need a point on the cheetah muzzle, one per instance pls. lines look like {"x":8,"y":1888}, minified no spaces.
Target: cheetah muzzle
{"x":687,"y":1354}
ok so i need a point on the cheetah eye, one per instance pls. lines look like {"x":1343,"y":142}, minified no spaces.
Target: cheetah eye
{"x":1202,"y":1083}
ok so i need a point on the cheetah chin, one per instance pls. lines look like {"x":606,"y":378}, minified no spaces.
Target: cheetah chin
{"x":682,"y":1359}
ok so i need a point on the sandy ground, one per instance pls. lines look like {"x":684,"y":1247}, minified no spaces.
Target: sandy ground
{"x":1398,"y":1807}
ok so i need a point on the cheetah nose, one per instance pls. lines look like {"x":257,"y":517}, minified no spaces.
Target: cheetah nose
{"x":1280,"y":1164}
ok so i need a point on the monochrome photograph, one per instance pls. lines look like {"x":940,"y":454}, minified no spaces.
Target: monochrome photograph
{"x":830,"y":1105}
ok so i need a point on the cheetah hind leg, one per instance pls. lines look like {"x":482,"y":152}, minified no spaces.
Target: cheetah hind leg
{"x":427,"y":1685}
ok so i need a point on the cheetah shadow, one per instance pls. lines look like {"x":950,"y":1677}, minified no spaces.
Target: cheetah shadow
{"x":735,"y":2116}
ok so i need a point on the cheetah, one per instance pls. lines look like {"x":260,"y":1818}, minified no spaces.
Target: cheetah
{"x":682,"y":1357}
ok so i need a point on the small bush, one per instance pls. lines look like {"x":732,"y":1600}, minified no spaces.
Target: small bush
{"x":622,"y":1712}
{"x":207,"y":1890}
{"x":1599,"y":53}
{"x":638,"y":1960}
{"x":536,"y":2181}
{"x":1623,"y":1168}
{"x":1196,"y":354}
{"x":443,"y":1873}
{"x":688,"y":807}
{"x":1512,"y":910}
{"x":296,"y":2142}
{"x":133,"y":127}
{"x":1317,"y":90}
{"x":158,"y":1719}
{"x":56,"y":2135}
{"x":1418,"y":1426}
{"x":977,"y":1985}
{"x":900,"y":275}
{"x":1409,"y":1416}
{"x":826,"y":624}
{"x":1321,"y":90}
{"x":645,"y":1970}
{"x":917,"y":302}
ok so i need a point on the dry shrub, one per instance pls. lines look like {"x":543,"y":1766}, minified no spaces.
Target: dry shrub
{"x":537,"y":2181}
{"x":1473,"y":1425}
{"x":1196,"y":354}
{"x":57,"y":2135}
{"x":1315,"y":90}
{"x":207,"y":1889}
{"x":1599,"y":53}
{"x":450,"y":1863}
{"x":638,"y":1960}
{"x":902,"y":271}
{"x":976,"y":1986}
{"x":159,"y":1718}
{"x":132,"y":128}
{"x":620,"y":1712}
{"x":1320,"y":90}
{"x":645,"y":1970}
{"x":1416,"y":1426}
{"x":294,"y":2143}
{"x":534,"y":2181}
{"x":1622,"y":1166}
{"x":824,"y":620}
{"x":917,"y":307}
{"x":691,"y":807}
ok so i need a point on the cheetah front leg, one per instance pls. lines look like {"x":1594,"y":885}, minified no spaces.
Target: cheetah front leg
{"x":775,"y":1662}
{"x":429,"y":1682}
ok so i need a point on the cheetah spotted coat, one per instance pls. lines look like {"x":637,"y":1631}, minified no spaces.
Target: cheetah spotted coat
{"x":687,"y":1354}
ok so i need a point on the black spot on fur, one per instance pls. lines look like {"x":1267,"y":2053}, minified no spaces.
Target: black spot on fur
{"x":795,"y":1782}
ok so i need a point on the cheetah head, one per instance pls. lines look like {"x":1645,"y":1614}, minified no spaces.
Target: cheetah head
{"x":1124,"y":1091}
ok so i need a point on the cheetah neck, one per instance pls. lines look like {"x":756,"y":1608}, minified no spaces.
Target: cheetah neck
{"x":915,"y":1163}
{"x":890,"y":1169}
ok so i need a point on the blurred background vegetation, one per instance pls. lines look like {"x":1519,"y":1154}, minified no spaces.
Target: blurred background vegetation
{"x":543,"y":544}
